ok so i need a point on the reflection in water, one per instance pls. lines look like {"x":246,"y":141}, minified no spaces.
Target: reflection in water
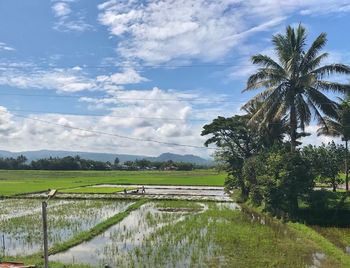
{"x":145,"y":238}
{"x":22,"y":232}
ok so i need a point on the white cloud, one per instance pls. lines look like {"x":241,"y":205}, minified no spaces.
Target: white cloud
{"x":33,"y":133}
{"x":61,"y":9}
{"x":160,"y":31}
{"x":5,"y":47}
{"x":314,"y":139}
{"x":127,"y":76}
{"x":67,"y":20}
{"x":64,"y":80}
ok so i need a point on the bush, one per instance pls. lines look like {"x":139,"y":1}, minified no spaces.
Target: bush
{"x":278,"y":180}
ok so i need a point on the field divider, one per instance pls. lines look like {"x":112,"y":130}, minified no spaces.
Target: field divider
{"x":96,"y":230}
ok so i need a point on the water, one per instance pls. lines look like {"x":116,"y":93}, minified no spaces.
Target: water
{"x":115,"y":244}
{"x":145,"y":238}
{"x":22,"y":228}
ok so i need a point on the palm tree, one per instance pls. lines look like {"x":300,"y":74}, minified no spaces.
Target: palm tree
{"x":339,"y":127}
{"x":293,"y":85}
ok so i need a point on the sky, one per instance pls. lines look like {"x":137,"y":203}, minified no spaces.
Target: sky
{"x":139,"y":76}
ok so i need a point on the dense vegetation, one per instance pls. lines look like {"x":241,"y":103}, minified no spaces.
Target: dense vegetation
{"x":78,"y":163}
{"x":259,"y":149}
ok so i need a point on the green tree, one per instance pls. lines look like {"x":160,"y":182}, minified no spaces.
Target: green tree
{"x":116,"y":161}
{"x":294,"y":84}
{"x":236,"y":142}
{"x":339,"y":126}
{"x":326,"y":161}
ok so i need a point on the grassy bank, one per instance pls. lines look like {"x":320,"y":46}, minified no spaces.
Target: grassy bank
{"x":25,"y":181}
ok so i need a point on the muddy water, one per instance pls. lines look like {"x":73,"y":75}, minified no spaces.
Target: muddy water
{"x":23,"y":231}
{"x":114,"y":246}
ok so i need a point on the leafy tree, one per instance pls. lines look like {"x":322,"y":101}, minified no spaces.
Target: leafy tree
{"x":293,"y":84}
{"x":339,"y":126}
{"x":278,"y":180}
{"x":326,"y":161}
{"x":236,"y":142}
{"x":116,"y":161}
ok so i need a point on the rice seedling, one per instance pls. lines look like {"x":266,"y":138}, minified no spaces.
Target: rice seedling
{"x":23,"y":231}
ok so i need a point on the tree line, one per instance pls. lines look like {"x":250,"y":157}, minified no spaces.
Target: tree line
{"x":78,"y":163}
{"x":261,"y":149}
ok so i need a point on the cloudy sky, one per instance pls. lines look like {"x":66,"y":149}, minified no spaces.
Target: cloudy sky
{"x":116,"y":76}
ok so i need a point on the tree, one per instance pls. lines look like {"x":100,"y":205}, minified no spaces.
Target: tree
{"x":236,"y":142}
{"x":277,"y":180}
{"x":293,"y":84}
{"x":326,"y":161}
{"x":339,"y":126}
{"x":116,"y":162}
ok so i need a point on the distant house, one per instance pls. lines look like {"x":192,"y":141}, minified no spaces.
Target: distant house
{"x":171,"y":168}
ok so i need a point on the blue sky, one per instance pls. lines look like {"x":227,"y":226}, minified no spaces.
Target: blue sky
{"x":65,"y":62}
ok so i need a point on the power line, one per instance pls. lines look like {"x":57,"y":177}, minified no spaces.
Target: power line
{"x":112,"y":116}
{"x":167,"y":66}
{"x":123,"y":98}
{"x":112,"y":134}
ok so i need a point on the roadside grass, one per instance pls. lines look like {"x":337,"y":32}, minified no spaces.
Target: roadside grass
{"x":14,"y":182}
{"x":96,"y":190}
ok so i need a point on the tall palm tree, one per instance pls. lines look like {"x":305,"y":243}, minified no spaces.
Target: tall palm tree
{"x":340,"y":127}
{"x":293,"y":85}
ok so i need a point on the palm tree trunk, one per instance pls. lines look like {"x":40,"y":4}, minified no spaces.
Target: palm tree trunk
{"x":346,"y":167}
{"x":293,"y":128}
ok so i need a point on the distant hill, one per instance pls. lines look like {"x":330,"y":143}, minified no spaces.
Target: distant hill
{"x":34,"y":155}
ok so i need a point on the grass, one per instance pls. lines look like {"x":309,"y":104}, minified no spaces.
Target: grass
{"x":341,"y":258}
{"x":14,"y":182}
{"x":97,"y":190}
{"x":340,"y":237}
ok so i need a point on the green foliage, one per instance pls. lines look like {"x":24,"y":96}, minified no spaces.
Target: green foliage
{"x":294,"y":85}
{"x":327,"y":162}
{"x":278,"y":180}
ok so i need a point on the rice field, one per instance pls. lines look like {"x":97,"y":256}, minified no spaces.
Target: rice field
{"x":94,"y":225}
{"x":22,"y":230}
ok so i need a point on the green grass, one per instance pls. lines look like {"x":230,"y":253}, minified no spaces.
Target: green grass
{"x":340,"y":237}
{"x":341,"y":258}
{"x":97,"y":190}
{"x":25,"y":181}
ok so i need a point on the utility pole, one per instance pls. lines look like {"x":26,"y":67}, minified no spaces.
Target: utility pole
{"x":46,"y":250}
{"x":51,"y":194}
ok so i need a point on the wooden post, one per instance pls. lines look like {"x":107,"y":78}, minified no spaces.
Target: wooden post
{"x":46,"y":256}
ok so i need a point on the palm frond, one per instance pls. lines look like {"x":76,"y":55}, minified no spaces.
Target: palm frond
{"x":331,"y":69}
{"x":332,"y":86}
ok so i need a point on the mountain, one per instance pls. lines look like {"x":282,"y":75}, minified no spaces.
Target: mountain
{"x":35,"y":155}
{"x":181,"y":158}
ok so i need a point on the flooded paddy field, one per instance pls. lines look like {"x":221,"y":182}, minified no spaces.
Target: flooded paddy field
{"x":195,"y":234}
{"x":167,"y":226}
{"x":21,"y":222}
{"x":151,"y":191}
{"x":144,"y":238}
